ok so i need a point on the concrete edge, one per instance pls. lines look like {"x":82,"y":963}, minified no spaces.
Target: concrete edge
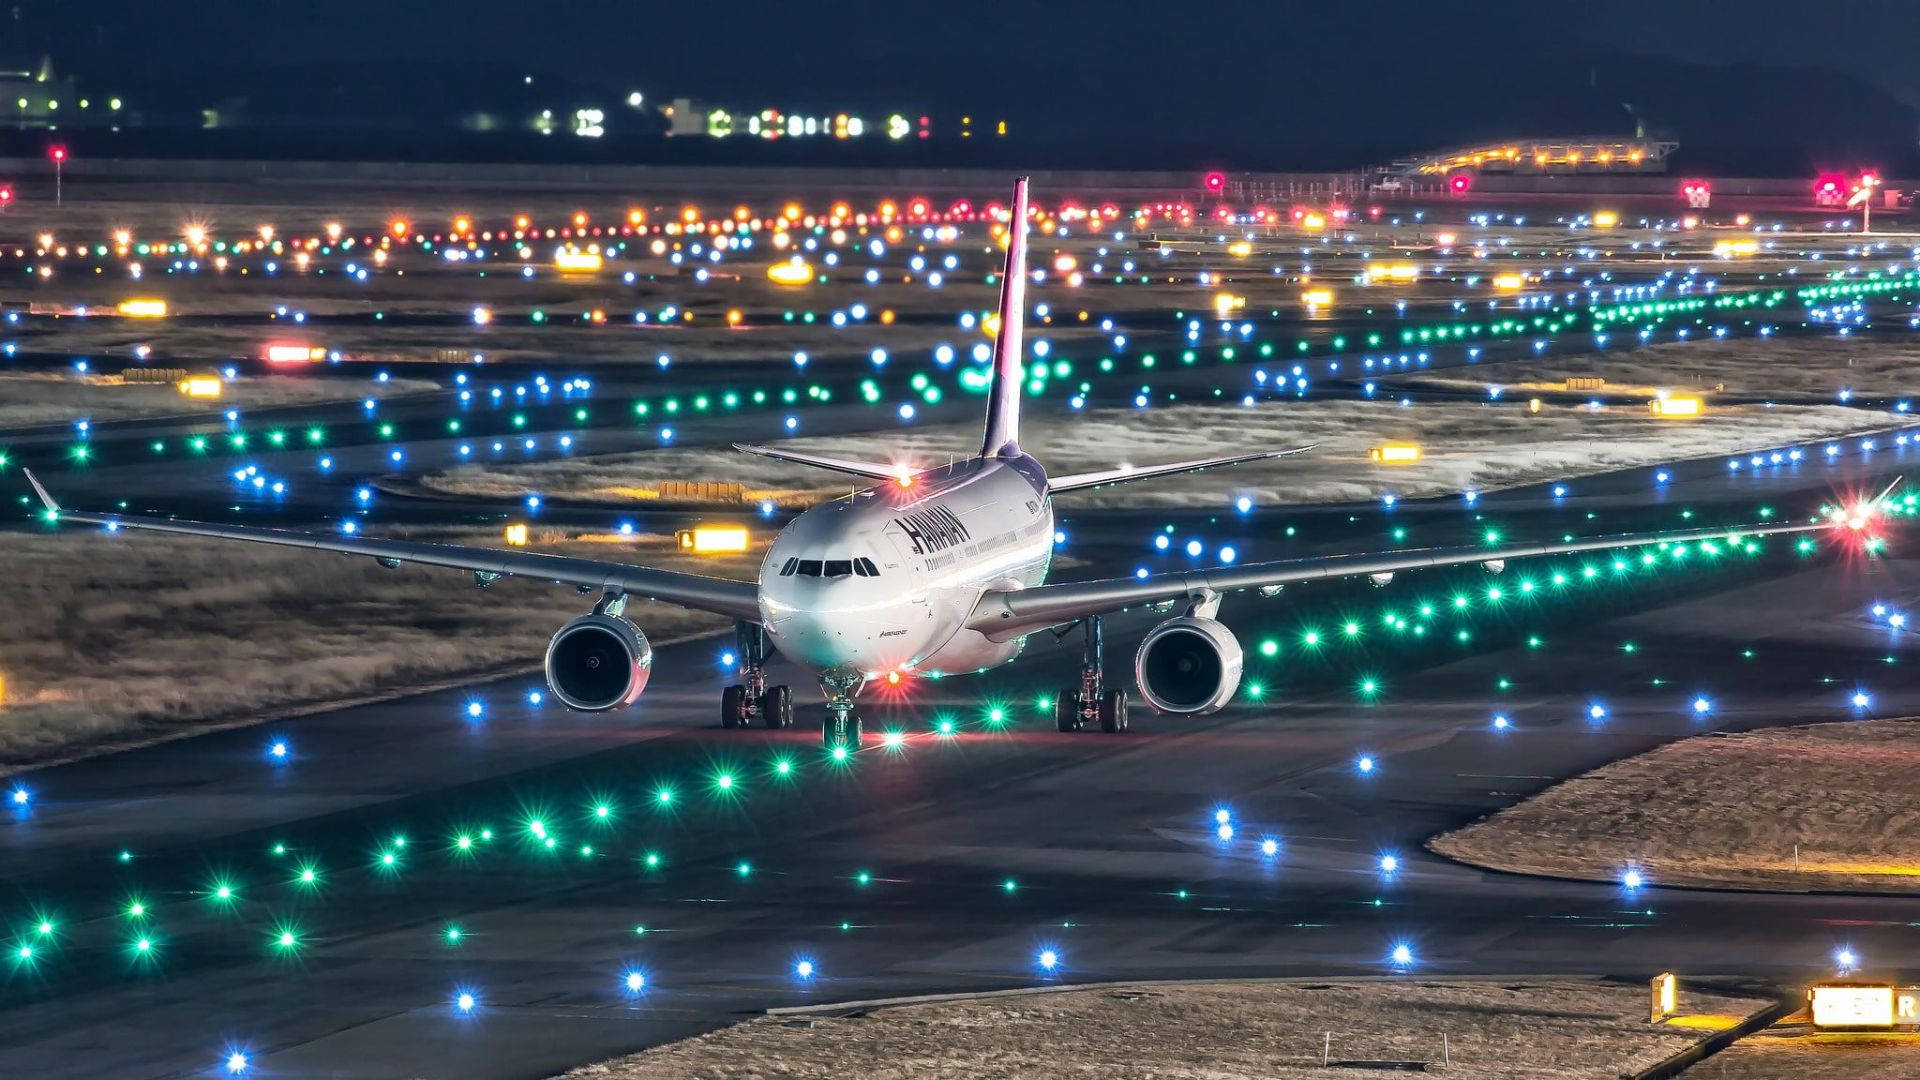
{"x":1705,"y":1048}
{"x":1060,"y":988}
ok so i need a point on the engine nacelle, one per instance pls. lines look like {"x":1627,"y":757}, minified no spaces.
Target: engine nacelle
{"x":1188,"y":665}
{"x":598,"y":662}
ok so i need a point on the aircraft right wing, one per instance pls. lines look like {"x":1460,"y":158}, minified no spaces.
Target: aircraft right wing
{"x":1001,"y":615}
{"x":1081,"y":481}
{"x":872,"y":470}
{"x":734,"y":599}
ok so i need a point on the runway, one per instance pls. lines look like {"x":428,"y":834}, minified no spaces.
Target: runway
{"x":1111,"y":843}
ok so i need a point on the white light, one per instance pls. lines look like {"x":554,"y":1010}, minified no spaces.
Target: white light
{"x":804,"y":969}
{"x":1632,"y":879}
{"x":1269,"y":847}
{"x":1861,"y":699}
{"x":1597,"y":711}
{"x":464,"y":1002}
{"x":474,"y":708}
{"x":1388,"y":864}
{"x":1702,"y":705}
{"x":1049,"y":959}
{"x":1222,"y":816}
{"x":1364,"y":764}
{"x":21,"y":796}
{"x":236,"y":1062}
{"x":279,"y":750}
{"x":1845,"y":960}
{"x":636,"y":981}
{"x":1402,"y":956}
{"x":1501,"y":722}
{"x":1224,"y":832}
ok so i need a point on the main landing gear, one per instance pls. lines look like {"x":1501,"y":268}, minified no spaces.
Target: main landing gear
{"x":743,"y":702}
{"x":1090,"y":702}
{"x":842,"y":730}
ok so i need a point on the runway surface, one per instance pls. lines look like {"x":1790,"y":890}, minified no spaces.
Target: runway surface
{"x":948,"y":863}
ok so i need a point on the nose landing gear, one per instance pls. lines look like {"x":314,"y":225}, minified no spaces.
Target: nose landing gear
{"x":743,"y":702}
{"x":1090,"y":702}
{"x":842,"y":730}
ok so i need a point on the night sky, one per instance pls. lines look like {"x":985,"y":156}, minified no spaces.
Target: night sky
{"x":1239,"y":76}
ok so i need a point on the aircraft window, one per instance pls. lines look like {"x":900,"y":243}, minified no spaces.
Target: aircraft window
{"x":788,"y":569}
{"x":839,"y":568}
{"x":809,"y":567}
{"x":865,"y":566}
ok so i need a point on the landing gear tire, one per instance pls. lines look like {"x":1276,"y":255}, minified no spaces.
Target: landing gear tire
{"x":733,"y":706}
{"x":776,"y":707}
{"x":1113,"y":712}
{"x":1066,"y":710}
{"x":843,"y":732}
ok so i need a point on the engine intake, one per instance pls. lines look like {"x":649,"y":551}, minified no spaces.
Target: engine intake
{"x":598,"y":662}
{"x":1188,"y":665}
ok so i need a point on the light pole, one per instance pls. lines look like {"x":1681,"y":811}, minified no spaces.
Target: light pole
{"x":1863,"y":195}
{"x":59,"y":156}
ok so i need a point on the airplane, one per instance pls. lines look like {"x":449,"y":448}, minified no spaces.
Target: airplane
{"x":936,"y":571}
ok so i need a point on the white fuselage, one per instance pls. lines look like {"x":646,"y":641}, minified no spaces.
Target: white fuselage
{"x":885,"y":580}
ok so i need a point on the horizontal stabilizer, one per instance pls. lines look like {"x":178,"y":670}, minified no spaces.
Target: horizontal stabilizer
{"x":1081,"y":481}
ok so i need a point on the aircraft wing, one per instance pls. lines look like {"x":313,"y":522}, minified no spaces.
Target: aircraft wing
{"x":871,"y":469}
{"x":1005,"y":614}
{"x":734,"y":599}
{"x":1082,"y":481}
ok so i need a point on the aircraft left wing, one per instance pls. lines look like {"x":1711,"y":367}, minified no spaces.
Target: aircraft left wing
{"x":1082,"y":481}
{"x":734,"y":599}
{"x":1005,"y":614}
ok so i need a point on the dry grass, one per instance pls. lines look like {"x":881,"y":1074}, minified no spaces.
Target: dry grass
{"x":1728,"y":810}
{"x":1539,"y":1030}
{"x":117,"y":639}
{"x":1468,"y":446}
{"x":1825,"y":1057}
{"x":31,"y":399}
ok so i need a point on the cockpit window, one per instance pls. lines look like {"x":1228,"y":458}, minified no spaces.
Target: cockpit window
{"x":833,"y":568}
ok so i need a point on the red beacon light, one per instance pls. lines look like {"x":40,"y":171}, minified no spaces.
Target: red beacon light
{"x":6,"y":194}
{"x":1215,"y":182}
{"x":1459,"y":183}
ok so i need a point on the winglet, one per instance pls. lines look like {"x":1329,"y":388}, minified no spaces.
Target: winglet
{"x":46,"y":500}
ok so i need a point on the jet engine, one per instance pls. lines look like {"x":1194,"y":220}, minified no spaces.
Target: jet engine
{"x":1188,"y":665}
{"x":598,"y":662}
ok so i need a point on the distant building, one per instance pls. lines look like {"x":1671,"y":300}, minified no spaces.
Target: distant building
{"x":35,"y":97}
{"x":1577,"y":154}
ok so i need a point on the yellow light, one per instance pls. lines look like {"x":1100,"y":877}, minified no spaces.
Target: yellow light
{"x":1064,"y":264}
{"x":1313,"y":219}
{"x":266,"y":234}
{"x":461,"y":225}
{"x":143,"y":309}
{"x":1508,"y":282}
{"x":1666,"y":996}
{"x":1682,"y":406}
{"x":1444,"y":239}
{"x":574,"y":261}
{"x":1399,"y":272}
{"x":1851,"y":1006}
{"x":1728,"y":249}
{"x":790,"y":273}
{"x":713,"y":539}
{"x":517,"y":534}
{"x":733,"y":316}
{"x":1533,"y":405}
{"x":1317,"y":297}
{"x":1226,"y":302}
{"x":294,"y":353}
{"x":333,"y":230}
{"x":1395,"y":453}
{"x":1605,"y":219}
{"x":1240,"y":249}
{"x":636,"y":216}
{"x":201,"y":386}
{"x":400,"y":227}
